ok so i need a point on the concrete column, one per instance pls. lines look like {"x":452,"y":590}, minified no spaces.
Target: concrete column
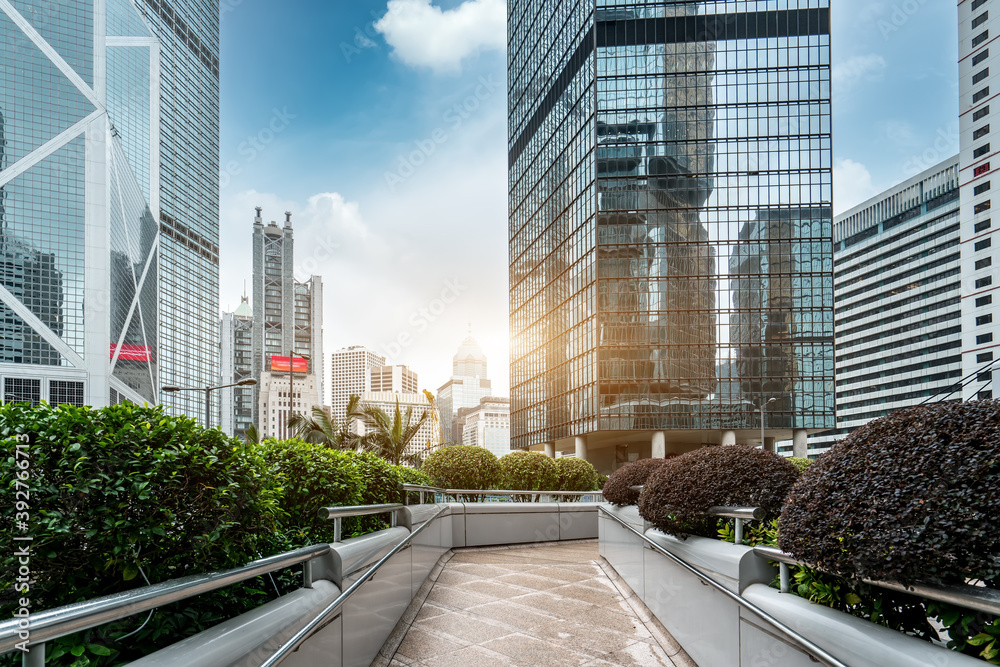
{"x":550,"y":450}
{"x":728,"y":438}
{"x":581,"y":447}
{"x":659,"y":445}
{"x":768,"y":444}
{"x":800,"y":445}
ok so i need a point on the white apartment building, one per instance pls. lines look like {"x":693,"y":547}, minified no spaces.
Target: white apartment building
{"x":897,"y":301}
{"x":393,"y":378}
{"x":429,"y":436}
{"x":350,"y":373}
{"x":979,"y":62}
{"x":488,"y":425}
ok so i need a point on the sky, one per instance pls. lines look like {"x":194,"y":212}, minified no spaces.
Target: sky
{"x":381,"y":126}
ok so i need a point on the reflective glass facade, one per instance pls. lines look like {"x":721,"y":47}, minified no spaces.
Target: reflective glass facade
{"x":671,"y":227}
{"x":188,"y":198}
{"x":78,"y":241}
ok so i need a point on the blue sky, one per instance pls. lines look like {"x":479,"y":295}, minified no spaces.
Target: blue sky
{"x":382,"y":128}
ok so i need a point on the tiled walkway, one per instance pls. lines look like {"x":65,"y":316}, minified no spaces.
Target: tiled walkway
{"x":533,"y":606}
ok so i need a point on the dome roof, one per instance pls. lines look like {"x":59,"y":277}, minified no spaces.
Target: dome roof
{"x":470,"y":360}
{"x":469,"y":349}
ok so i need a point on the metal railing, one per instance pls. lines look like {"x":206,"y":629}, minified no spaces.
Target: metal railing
{"x":338,"y":514}
{"x":55,"y":623}
{"x":805,"y":644}
{"x":455,"y":493}
{"x":978,"y":598}
{"x":302,"y":635}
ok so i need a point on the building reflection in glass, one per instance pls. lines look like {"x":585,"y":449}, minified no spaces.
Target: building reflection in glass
{"x":650,"y":143}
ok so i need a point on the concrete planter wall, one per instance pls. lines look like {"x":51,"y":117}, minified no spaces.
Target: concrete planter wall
{"x":717,"y":632}
{"x":354,"y":637}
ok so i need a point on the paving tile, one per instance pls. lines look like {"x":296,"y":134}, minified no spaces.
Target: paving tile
{"x":448,"y":596}
{"x":527,"y":580}
{"x":641,"y":654}
{"x":428,"y":610}
{"x":464,"y":628}
{"x":418,"y":645}
{"x":496,"y":589}
{"x":453,"y":577}
{"x":474,"y":656}
{"x":513,"y":615}
{"x":599,"y":596}
{"x":567,"y":608}
{"x":525,"y":650}
{"x":563,"y":573}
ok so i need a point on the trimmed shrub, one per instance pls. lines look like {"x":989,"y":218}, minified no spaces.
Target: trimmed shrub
{"x":677,"y":494}
{"x":800,"y":462}
{"x":409,"y":475}
{"x":602,"y":479}
{"x":313,"y":476}
{"x":462,"y":467}
{"x":575,"y":474}
{"x":122,"y":488}
{"x":528,"y":471}
{"x":617,"y":491}
{"x":912,"y":497}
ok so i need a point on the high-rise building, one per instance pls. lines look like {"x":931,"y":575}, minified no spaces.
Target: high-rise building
{"x":897,"y":291}
{"x":643,"y":139}
{"x":488,"y":425}
{"x":187,"y":203}
{"x":350,"y":373}
{"x":287,"y":328}
{"x":393,"y":378}
{"x":236,"y":404}
{"x":81,"y":104}
{"x":980,"y":274}
{"x":468,"y":385}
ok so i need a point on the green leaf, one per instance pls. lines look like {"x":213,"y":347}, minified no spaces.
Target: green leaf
{"x":130,"y":572}
{"x":980,"y":639}
{"x":852,"y":599}
{"x":97,"y":649}
{"x":77,"y":651}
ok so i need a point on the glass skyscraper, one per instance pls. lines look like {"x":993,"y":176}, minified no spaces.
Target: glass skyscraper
{"x":670,"y":188}
{"x":188,"y":199}
{"x":79,"y":184}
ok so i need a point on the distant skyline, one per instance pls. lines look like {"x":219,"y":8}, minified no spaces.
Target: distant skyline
{"x":382,"y":127}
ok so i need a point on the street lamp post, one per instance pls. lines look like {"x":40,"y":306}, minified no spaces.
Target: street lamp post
{"x":208,"y":393}
{"x":291,"y":386}
{"x":763,"y":405}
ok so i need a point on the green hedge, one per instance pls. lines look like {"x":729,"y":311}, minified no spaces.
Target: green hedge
{"x":528,"y":471}
{"x":462,"y":467}
{"x":125,"y":493}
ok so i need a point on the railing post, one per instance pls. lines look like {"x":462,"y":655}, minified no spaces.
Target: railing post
{"x":423,"y":497}
{"x":336,"y":529}
{"x":783,"y":576}
{"x":307,"y":574}
{"x":34,"y":656}
{"x":392,"y":518}
{"x":739,"y":531}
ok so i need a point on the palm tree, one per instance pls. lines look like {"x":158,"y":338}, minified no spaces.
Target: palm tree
{"x":323,"y":429}
{"x":390,"y":437}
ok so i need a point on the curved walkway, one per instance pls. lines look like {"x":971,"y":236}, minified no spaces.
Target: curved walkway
{"x":547,"y":605}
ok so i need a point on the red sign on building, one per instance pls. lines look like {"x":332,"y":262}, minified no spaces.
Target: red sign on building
{"x":132,"y":352}
{"x":280,"y":364}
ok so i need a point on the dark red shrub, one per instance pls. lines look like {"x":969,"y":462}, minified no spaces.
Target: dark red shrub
{"x":912,"y":497}
{"x":616,"y":489}
{"x":678,"y":494}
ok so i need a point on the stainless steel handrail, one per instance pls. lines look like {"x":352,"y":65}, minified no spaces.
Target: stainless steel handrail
{"x":809,"y":647}
{"x":978,"y":598}
{"x":296,"y":640}
{"x":62,"y":621}
{"x":339,"y":513}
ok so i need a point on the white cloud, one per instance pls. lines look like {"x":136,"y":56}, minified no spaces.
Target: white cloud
{"x":852,"y":184}
{"x":423,"y":35}
{"x":858,"y":69}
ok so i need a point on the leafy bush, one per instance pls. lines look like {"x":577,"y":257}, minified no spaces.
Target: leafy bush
{"x":575,"y":474}
{"x":462,"y":467}
{"x":602,"y":479}
{"x":800,"y":462}
{"x":123,"y":488}
{"x":313,"y":476}
{"x":528,"y":471}
{"x":912,"y":497}
{"x":617,"y":489}
{"x":678,"y":494}
{"x":409,"y":475}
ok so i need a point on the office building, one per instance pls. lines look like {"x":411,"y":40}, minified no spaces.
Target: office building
{"x":393,"y":378}
{"x":80,"y":191}
{"x":651,"y":144}
{"x":187,"y":203}
{"x":350,"y":374}
{"x":287,"y":326}
{"x":467,"y":386}
{"x":236,"y":404}
{"x":897,"y":290}
{"x":978,"y":163}
{"x":488,"y":425}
